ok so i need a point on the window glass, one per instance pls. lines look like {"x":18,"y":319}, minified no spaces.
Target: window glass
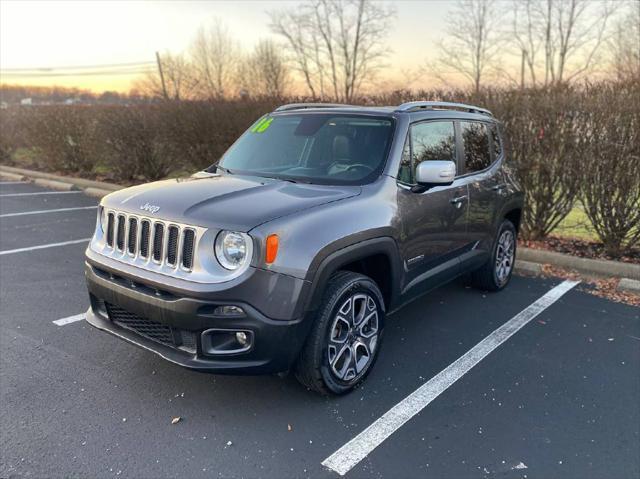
{"x":495,"y":137}
{"x":433,"y":140}
{"x":314,"y":148}
{"x":404,"y":174}
{"x":476,"y":146}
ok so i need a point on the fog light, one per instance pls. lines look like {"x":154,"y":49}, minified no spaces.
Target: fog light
{"x":226,"y":341}
{"x":242,"y":339}
{"x":228,"y":310}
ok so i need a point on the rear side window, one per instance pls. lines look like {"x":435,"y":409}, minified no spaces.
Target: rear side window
{"x":475,"y":137}
{"x":495,"y":140}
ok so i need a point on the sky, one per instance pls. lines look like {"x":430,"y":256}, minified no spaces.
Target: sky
{"x":51,"y":33}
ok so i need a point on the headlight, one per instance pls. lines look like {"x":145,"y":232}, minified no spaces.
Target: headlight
{"x":232,"y":249}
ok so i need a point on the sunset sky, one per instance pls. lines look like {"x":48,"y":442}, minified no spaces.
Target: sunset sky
{"x":50,"y":34}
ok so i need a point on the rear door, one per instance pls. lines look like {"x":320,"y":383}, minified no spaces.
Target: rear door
{"x":484,"y":176}
{"x":433,"y":221}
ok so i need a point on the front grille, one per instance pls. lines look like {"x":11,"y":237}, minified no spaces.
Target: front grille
{"x":167,"y":244}
{"x":158,"y":236}
{"x":133,"y":234}
{"x":144,"y":239}
{"x":187,"y":249}
{"x":172,"y":245}
{"x":158,"y":332}
{"x":110,"y":219}
{"x":120,"y":233}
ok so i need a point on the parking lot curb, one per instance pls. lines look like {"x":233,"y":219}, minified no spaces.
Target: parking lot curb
{"x":97,"y":189}
{"x":595,"y":267}
{"x":80,"y":183}
{"x":527,"y":267}
{"x":11,"y":176}
{"x":56,"y":185}
{"x":97,"y":192}
{"x":630,"y":285}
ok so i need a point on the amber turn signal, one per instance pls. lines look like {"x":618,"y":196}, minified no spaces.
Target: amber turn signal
{"x":272,"y":249}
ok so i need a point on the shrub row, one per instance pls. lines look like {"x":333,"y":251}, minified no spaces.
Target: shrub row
{"x":568,"y":145}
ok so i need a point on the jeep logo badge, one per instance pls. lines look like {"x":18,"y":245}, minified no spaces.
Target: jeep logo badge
{"x":150,"y":208}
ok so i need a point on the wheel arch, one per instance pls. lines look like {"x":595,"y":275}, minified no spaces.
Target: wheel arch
{"x":377,"y":258}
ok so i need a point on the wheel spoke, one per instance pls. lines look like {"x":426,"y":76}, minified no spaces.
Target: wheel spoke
{"x":361,"y":355}
{"x":342,"y":361}
{"x":369,"y":325}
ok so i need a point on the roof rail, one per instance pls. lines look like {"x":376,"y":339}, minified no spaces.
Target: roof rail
{"x":444,"y":105}
{"x":303,"y":106}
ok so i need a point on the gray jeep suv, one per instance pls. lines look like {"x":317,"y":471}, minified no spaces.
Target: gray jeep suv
{"x":318,"y":222}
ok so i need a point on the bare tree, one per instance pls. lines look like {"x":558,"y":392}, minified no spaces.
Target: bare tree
{"x":561,"y":40}
{"x":624,"y":44}
{"x":214,"y":55}
{"x":336,"y":45}
{"x":178,"y":77}
{"x":473,"y":41}
{"x":268,"y":70}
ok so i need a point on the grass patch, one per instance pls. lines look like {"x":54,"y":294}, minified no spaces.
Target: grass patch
{"x":576,"y":225}
{"x":26,"y":157}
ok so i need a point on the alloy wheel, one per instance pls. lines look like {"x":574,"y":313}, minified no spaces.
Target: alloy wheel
{"x":505,"y":254}
{"x":353,"y":337}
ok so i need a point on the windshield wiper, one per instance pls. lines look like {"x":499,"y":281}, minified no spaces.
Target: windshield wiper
{"x":226,"y":170}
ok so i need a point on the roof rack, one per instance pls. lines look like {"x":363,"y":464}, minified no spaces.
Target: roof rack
{"x":441,"y":105}
{"x":304,"y":106}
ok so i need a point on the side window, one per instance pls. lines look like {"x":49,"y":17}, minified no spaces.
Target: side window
{"x":495,"y":140}
{"x":404,"y":175}
{"x":432,"y":140}
{"x":476,"y":146}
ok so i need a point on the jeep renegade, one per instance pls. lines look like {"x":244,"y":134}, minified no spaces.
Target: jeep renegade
{"x":318,"y":222}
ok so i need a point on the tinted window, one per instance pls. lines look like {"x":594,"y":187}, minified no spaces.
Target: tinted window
{"x":476,"y":146}
{"x":316,"y":148}
{"x":433,"y":140}
{"x":495,"y":137}
{"x":404,"y":174}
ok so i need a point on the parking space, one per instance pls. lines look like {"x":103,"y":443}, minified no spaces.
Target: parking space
{"x":558,"y":398}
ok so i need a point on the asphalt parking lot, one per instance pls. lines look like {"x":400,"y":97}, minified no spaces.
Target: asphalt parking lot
{"x":558,"y":398}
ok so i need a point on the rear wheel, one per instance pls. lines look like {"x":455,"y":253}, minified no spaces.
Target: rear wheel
{"x":345,"y":338}
{"x":495,"y":274}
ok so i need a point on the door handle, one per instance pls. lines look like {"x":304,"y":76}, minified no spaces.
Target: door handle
{"x":457,"y":202}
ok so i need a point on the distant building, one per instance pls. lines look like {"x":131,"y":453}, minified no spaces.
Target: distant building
{"x":26,"y":102}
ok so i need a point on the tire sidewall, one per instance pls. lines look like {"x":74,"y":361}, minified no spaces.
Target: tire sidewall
{"x":506,"y":225}
{"x":360,"y":285}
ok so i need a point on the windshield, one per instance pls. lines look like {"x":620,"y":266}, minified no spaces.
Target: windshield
{"x":313,"y":148}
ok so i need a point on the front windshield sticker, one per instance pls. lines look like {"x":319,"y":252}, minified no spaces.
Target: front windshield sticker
{"x":262,"y":125}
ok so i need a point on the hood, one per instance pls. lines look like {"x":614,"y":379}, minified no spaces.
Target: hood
{"x":232,"y":202}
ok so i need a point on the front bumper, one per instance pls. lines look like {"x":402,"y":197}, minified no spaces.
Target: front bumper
{"x":276,"y":342}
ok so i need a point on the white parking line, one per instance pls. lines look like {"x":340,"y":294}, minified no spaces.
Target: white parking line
{"x":59,"y":210}
{"x":70,"y":319}
{"x":13,"y":182}
{"x":349,"y":455}
{"x":42,"y":193}
{"x":50,"y":245}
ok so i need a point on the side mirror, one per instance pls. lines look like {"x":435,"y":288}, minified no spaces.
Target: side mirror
{"x":435,"y":173}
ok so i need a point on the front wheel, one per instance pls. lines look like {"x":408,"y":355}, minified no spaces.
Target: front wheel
{"x":345,"y":338}
{"x":495,"y":274}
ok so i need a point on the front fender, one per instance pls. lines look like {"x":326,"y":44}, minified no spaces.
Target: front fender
{"x":324,"y":265}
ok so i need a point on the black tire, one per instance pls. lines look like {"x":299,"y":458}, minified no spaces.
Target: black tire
{"x":313,"y":368}
{"x":488,"y":277}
